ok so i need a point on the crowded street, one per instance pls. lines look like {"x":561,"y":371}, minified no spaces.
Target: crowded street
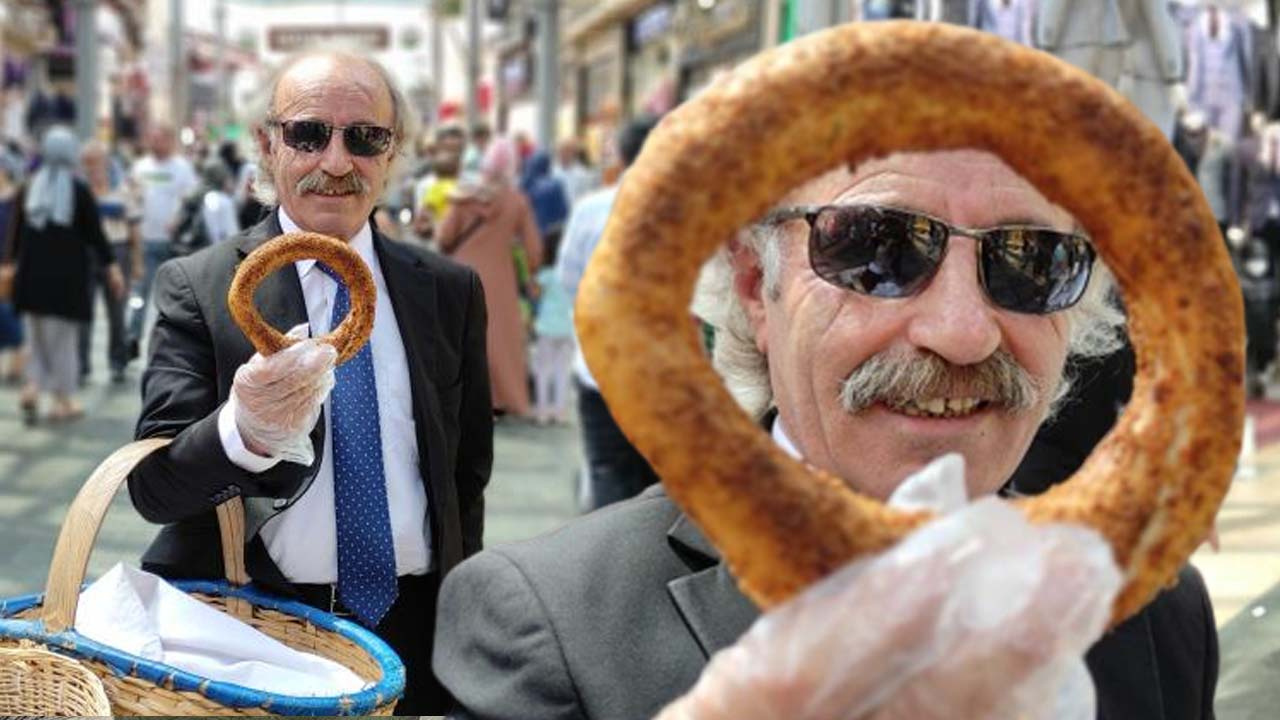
{"x":652,"y":359}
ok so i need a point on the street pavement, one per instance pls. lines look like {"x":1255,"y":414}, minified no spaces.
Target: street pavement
{"x":532,"y":489}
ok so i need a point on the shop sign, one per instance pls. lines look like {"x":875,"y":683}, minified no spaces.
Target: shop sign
{"x":292,"y":38}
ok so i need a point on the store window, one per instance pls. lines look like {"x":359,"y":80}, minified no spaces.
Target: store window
{"x":650,"y":81}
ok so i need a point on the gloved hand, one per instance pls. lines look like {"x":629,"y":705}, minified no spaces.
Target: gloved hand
{"x":976,"y":615}
{"x":278,"y":398}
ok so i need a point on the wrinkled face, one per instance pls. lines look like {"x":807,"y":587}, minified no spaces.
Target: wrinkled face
{"x":330,"y":191}
{"x":816,"y":335}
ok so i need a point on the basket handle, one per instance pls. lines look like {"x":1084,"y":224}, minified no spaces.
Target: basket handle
{"x":84,"y":519}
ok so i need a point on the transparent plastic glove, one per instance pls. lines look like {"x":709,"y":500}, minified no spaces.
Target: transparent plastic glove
{"x":976,"y":615}
{"x":278,"y":398}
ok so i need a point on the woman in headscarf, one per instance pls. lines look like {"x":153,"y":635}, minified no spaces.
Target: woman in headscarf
{"x":547,"y":196}
{"x":55,"y":224}
{"x":484,"y":223}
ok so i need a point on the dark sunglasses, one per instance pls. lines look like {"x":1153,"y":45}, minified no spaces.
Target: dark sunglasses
{"x":890,"y":253}
{"x":312,"y":136}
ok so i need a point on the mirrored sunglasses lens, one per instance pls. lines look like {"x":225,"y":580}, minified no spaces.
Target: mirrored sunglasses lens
{"x":366,"y":140}
{"x":875,"y":251}
{"x":1035,"y":271}
{"x":306,"y":135}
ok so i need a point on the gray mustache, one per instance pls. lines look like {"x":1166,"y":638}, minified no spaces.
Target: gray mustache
{"x":319,"y":181}
{"x":893,"y":379}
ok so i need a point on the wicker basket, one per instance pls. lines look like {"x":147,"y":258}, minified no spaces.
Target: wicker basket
{"x":135,"y":686}
{"x":36,"y":682}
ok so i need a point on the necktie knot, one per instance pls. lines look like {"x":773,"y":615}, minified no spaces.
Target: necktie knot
{"x":331,"y":273}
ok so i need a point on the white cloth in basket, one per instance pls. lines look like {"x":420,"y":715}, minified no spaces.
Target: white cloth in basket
{"x":141,"y":614}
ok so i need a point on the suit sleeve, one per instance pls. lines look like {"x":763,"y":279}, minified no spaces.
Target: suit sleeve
{"x":180,"y":400}
{"x":496,"y":650}
{"x":475,"y":449}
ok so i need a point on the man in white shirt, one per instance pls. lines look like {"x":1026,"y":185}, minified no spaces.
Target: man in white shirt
{"x":357,"y":517}
{"x":161,"y":179}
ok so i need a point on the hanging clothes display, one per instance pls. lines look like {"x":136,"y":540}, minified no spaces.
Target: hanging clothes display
{"x":1218,"y":69}
{"x":1264,"y":72}
{"x":1133,"y":45}
{"x":1010,"y":19}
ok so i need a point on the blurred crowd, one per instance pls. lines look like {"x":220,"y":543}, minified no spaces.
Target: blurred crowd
{"x":498,"y":204}
{"x":88,"y":219}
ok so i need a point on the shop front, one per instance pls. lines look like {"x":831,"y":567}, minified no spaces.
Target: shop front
{"x":651,"y":70}
{"x":714,"y":37}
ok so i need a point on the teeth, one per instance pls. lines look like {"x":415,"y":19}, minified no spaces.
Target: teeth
{"x":939,"y":407}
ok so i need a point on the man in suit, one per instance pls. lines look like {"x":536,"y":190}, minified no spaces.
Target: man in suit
{"x":855,"y":323}
{"x":357,"y":501}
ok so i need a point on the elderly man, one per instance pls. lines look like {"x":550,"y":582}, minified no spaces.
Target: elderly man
{"x":363,"y":525}
{"x":878,"y":319}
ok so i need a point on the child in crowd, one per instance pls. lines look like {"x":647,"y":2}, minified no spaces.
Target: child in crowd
{"x":553,"y":346}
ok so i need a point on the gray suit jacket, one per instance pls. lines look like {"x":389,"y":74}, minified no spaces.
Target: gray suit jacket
{"x":614,"y":615}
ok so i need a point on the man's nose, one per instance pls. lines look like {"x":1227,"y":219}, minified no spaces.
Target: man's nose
{"x":335,"y":159}
{"x":952,"y":316}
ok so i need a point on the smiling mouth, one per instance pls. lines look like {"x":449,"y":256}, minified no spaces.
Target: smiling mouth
{"x":332,"y":193}
{"x":939,"y":407}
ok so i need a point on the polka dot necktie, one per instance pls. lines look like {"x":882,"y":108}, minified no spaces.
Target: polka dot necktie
{"x":366,"y":557}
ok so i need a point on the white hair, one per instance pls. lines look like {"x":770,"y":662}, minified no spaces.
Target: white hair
{"x":261,"y":112}
{"x":1095,"y":323}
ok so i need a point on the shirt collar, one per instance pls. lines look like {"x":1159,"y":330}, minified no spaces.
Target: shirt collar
{"x":362,"y":242}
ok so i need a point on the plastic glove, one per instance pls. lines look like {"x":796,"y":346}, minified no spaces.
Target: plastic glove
{"x":278,"y":398}
{"x":976,"y":615}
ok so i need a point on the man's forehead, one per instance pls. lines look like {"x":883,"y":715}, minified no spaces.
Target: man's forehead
{"x":935,"y":182}
{"x":307,"y":81}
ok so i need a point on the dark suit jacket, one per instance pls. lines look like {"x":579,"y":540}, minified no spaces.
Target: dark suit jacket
{"x":196,"y":348}
{"x":614,"y":615}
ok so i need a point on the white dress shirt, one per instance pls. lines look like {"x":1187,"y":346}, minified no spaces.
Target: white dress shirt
{"x":302,"y":540}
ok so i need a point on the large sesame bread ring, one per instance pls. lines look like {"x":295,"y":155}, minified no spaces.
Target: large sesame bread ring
{"x":354,"y":330}
{"x":849,"y":94}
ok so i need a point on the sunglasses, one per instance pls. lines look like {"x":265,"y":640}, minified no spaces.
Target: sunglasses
{"x":890,"y":253}
{"x":312,"y":136}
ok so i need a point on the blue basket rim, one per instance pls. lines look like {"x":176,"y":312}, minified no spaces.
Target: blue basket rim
{"x":69,"y":642}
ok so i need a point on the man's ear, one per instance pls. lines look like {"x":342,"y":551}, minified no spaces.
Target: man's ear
{"x":748,"y":285}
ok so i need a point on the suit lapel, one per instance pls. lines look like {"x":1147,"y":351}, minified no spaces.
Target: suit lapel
{"x":708,"y":599}
{"x":411,"y":288}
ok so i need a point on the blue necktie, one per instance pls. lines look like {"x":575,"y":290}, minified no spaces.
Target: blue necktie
{"x":366,"y":557}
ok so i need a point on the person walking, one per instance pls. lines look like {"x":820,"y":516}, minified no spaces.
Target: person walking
{"x":478,"y":232}
{"x":162,"y":179}
{"x":12,"y":353}
{"x":553,"y":344}
{"x":55,"y":225}
{"x":616,"y":471}
{"x":119,"y":212}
